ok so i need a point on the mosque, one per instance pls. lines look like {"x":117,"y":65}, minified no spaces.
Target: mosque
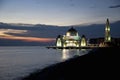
{"x":71,"y":39}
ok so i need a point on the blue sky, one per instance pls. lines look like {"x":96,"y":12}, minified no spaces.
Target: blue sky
{"x":59,"y":12}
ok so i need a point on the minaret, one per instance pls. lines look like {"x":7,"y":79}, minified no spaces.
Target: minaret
{"x":59,"y":42}
{"x":107,"y":32}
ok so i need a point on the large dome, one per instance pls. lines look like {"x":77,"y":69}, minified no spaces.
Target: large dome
{"x":72,"y":32}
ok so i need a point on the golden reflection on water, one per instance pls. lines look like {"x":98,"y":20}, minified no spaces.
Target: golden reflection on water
{"x":65,"y":54}
{"x":70,"y":53}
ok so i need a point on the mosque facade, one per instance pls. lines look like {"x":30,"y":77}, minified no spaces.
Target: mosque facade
{"x":71,"y":39}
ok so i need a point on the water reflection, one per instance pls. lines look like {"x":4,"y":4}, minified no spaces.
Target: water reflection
{"x":70,"y":53}
{"x":65,"y":54}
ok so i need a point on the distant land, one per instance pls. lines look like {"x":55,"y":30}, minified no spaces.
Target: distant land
{"x":51,"y":31}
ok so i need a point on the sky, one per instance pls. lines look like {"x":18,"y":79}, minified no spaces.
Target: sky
{"x":59,"y":12}
{"x":53,"y":12}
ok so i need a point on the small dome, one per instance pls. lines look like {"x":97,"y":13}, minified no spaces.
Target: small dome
{"x":72,"y":32}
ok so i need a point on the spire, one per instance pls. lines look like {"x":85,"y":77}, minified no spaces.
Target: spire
{"x":107,"y":22}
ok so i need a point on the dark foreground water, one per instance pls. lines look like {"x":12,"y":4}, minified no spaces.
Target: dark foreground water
{"x":17,"y":62}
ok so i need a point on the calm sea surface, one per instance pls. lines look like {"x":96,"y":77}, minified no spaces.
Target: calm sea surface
{"x":17,"y":62}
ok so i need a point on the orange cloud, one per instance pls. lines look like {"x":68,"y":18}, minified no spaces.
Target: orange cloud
{"x":29,"y":39}
{"x":3,"y":35}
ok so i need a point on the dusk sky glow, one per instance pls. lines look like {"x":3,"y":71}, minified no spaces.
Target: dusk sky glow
{"x":4,"y":35}
{"x":59,"y":12}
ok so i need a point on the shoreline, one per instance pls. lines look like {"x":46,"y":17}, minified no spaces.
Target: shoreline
{"x":101,"y":63}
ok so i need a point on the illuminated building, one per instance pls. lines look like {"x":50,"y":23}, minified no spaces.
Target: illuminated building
{"x":70,"y":39}
{"x":107,"y":32}
{"x":59,"y":42}
{"x":83,"y":41}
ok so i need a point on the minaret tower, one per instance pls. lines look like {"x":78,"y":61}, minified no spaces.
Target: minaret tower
{"x":107,"y":32}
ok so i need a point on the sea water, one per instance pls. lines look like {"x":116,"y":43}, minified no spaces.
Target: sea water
{"x":20,"y":61}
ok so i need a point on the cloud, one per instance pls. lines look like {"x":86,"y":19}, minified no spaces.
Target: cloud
{"x":115,"y":6}
{"x":5,"y":34}
{"x":29,"y":39}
